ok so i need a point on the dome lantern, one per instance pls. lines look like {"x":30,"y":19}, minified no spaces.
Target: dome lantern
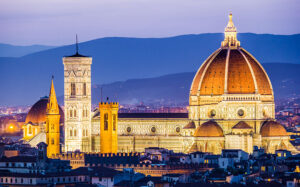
{"x":230,"y":39}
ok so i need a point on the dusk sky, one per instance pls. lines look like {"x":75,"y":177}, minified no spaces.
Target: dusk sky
{"x":55,"y":22}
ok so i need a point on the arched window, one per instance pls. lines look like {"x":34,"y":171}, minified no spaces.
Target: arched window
{"x":71,"y":133}
{"x":52,"y":141}
{"x":83,"y":132}
{"x":114,"y":122}
{"x":83,"y":113}
{"x":71,"y":113}
{"x":75,"y":132}
{"x":105,"y":121}
{"x":84,"y":89}
{"x":73,"y":89}
{"x":74,"y":113}
{"x":86,"y":132}
{"x":29,"y":129}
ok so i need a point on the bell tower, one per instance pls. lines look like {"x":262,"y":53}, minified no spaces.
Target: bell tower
{"x":108,"y":127}
{"x":52,"y":124}
{"x":77,"y":97}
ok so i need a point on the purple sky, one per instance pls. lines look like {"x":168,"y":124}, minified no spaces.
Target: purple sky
{"x":55,"y":22}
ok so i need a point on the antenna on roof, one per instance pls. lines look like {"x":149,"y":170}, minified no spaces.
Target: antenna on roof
{"x":101,"y":95}
{"x":76,"y":44}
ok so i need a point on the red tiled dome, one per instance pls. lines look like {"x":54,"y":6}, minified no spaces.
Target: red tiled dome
{"x":244,"y":74}
{"x":37,"y":113}
{"x":209,"y":129}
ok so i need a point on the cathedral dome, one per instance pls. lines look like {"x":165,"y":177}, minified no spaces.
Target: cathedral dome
{"x":37,"y":113}
{"x":209,"y":129}
{"x":272,"y":128}
{"x":231,"y":70}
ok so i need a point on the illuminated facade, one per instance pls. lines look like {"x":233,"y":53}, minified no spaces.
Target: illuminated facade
{"x":77,"y":97}
{"x":232,"y":95}
{"x":108,"y":127}
{"x":34,"y":128}
{"x":231,"y":107}
{"x":52,"y":124}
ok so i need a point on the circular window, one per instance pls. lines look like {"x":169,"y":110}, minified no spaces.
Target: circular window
{"x":177,"y":129}
{"x":241,"y":112}
{"x":128,"y":129}
{"x":153,"y":129}
{"x":213,"y":113}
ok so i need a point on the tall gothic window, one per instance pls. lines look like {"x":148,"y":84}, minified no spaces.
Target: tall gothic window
{"x":29,"y":129}
{"x":105,"y":121}
{"x":84,"y":89}
{"x":73,"y":89}
{"x":75,"y":132}
{"x":114,"y":121}
{"x":52,"y":141}
{"x":74,"y":113}
{"x":71,"y":134}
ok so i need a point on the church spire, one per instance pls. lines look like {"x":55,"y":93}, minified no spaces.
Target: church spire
{"x":52,"y":106}
{"x":76,"y":45}
{"x":230,"y":39}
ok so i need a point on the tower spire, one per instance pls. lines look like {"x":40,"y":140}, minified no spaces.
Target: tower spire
{"x":52,"y":106}
{"x":230,"y":39}
{"x":76,"y":45}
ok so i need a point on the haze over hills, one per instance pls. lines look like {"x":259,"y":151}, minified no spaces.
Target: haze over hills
{"x":27,"y":78}
{"x":7,"y":50}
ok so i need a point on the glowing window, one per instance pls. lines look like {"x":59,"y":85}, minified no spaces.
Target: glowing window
{"x":105,"y":121}
{"x":29,"y":129}
{"x":114,"y":121}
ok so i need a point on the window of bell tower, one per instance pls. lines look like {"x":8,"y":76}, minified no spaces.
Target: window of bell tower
{"x":73,"y":89}
{"x":114,"y":122}
{"x":84,"y":89}
{"x":105,"y":121}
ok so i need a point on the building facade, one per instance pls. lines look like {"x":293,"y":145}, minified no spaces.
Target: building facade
{"x":77,"y":97}
{"x":231,"y":107}
{"x":52,"y":124}
{"x":109,"y":127}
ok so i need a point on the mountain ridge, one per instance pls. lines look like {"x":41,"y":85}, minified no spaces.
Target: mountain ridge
{"x":116,"y":59}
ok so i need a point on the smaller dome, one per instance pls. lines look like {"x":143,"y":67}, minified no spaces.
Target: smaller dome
{"x":242,"y":125}
{"x":209,"y":129}
{"x":37,"y":113}
{"x":190,"y":125}
{"x":272,"y":128}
